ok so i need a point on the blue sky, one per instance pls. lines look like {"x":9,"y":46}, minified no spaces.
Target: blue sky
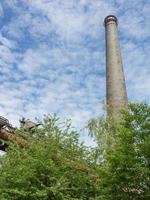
{"x":52,"y":56}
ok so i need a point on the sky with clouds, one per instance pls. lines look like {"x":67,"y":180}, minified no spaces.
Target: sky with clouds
{"x":52,"y":56}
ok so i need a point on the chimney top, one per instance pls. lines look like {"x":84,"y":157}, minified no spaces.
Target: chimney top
{"x":110,"y":18}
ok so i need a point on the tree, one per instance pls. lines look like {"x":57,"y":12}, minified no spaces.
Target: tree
{"x":52,"y":166}
{"x":125,"y":154}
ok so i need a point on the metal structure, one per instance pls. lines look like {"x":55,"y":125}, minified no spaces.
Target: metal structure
{"x":27,"y":124}
{"x":3,"y":122}
{"x":7,"y":132}
{"x":116,"y":94}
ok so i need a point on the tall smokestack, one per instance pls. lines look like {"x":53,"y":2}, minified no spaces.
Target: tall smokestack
{"x":116,"y":93}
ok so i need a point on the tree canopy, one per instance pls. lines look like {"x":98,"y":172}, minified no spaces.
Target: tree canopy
{"x":54,"y":165}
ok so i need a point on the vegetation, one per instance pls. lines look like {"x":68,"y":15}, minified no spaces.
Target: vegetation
{"x":55,"y":166}
{"x":124,"y":154}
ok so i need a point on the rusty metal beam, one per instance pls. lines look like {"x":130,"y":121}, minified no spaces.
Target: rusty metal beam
{"x":6,"y":136}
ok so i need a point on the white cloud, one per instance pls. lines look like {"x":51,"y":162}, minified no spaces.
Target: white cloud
{"x":71,"y":20}
{"x":137,"y":70}
{"x":52,"y":56}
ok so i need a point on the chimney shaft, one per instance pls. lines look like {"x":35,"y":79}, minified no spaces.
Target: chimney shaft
{"x":116,"y":93}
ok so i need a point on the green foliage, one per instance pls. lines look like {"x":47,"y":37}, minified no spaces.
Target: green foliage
{"x":125,"y":149}
{"x":55,"y":166}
